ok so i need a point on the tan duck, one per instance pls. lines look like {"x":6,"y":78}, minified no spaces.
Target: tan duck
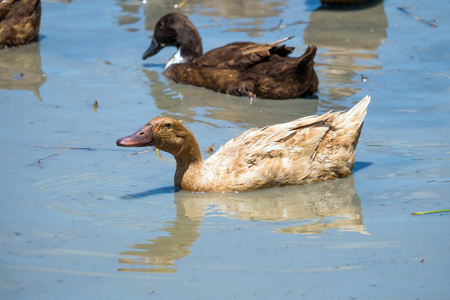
{"x":19,"y":22}
{"x":241,"y":68}
{"x":305,"y":150}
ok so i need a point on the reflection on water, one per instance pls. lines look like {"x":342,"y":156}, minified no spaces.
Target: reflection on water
{"x":254,"y":11}
{"x":253,"y":14}
{"x":158,"y":255}
{"x":310,"y":209}
{"x":129,"y":14}
{"x":348,"y":40}
{"x":21,"y":69}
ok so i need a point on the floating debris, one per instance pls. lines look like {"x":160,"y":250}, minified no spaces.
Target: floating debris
{"x":364,"y":78}
{"x":67,"y":148}
{"x":158,"y":153}
{"x":430,"y":212}
{"x":180,"y":5}
{"x":210,"y":149}
{"x":39,"y":161}
{"x":95,"y":105}
{"x":281,"y":26}
{"x":140,"y":152}
{"x":403,"y":9}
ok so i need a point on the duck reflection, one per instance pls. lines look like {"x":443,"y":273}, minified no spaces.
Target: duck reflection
{"x":191,"y":103}
{"x":310,"y":209}
{"x":129,"y":14}
{"x":255,"y":11}
{"x":158,"y":255}
{"x":348,"y":39}
{"x":21,"y":69}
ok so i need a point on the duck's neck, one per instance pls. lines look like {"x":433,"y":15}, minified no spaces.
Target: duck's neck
{"x":185,"y":54}
{"x":190,"y":45}
{"x":190,"y":166}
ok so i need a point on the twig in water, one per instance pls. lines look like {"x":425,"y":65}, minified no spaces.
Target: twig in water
{"x":279,"y":24}
{"x":68,"y":148}
{"x":430,"y":212}
{"x":140,"y":152}
{"x":39,"y":161}
{"x":403,"y":9}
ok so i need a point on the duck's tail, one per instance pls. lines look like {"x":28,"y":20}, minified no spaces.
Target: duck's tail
{"x":305,"y":72}
{"x":306,"y":61}
{"x":337,"y":149}
{"x":352,"y":119}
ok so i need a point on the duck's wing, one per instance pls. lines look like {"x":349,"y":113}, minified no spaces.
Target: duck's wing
{"x":242,"y":55}
{"x":279,"y":154}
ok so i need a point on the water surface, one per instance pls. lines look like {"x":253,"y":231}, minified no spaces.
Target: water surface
{"x":82,"y":218}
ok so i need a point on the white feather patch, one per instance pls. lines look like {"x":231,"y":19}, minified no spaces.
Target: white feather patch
{"x":176,"y":59}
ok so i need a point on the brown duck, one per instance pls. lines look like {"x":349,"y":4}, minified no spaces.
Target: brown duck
{"x":241,"y":68}
{"x":305,"y":150}
{"x":19,"y":22}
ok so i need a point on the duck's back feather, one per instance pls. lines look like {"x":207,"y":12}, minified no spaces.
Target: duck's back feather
{"x":308,"y":149}
{"x":276,"y":155}
{"x":242,"y":55}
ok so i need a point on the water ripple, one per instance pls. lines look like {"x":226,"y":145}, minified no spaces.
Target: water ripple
{"x":103,"y":198}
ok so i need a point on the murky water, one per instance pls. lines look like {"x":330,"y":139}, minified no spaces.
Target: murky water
{"x":82,"y":218}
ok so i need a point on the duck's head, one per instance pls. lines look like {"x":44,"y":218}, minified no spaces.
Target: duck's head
{"x":175,"y":29}
{"x":163,"y":133}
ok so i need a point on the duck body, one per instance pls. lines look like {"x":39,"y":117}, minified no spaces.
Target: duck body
{"x":242,"y":68}
{"x":19,"y":22}
{"x":302,"y":151}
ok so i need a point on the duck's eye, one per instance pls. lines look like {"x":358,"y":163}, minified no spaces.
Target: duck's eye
{"x":160,"y":24}
{"x":168,"y":125}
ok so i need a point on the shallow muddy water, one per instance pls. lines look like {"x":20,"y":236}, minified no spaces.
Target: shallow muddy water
{"x":83,"y":219}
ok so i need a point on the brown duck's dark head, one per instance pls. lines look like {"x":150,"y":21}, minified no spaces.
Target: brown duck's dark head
{"x":175,"y":29}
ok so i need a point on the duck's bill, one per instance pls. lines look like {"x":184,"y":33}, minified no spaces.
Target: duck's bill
{"x":153,"y":49}
{"x":141,"y":138}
